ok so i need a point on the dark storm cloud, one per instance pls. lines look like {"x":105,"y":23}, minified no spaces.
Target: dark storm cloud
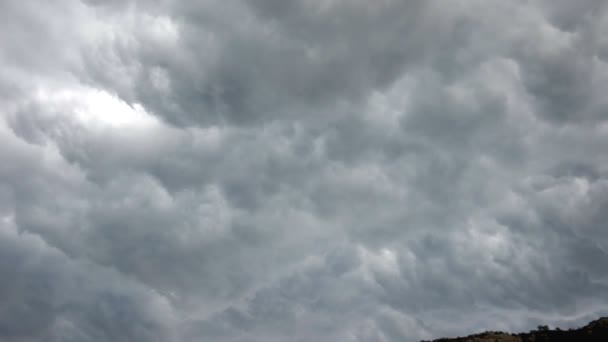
{"x":301,"y":170}
{"x":47,"y":296}
{"x":255,"y":61}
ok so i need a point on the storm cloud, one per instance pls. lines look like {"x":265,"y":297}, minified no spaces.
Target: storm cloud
{"x":304,"y":170}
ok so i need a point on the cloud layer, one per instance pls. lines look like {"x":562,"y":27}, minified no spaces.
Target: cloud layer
{"x":301,"y":170}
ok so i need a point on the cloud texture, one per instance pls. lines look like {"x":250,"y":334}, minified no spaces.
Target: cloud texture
{"x":305,"y":170}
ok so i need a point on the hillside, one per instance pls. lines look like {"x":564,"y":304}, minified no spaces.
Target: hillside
{"x":594,"y":331}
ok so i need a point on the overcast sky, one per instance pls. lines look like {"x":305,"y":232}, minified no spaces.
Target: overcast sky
{"x":301,"y":170}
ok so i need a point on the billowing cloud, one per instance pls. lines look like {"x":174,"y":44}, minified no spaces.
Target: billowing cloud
{"x":301,"y":170}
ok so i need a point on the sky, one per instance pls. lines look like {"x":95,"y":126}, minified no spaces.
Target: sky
{"x":301,"y":170}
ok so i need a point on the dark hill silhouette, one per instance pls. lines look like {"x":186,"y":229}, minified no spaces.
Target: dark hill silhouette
{"x":595,"y":331}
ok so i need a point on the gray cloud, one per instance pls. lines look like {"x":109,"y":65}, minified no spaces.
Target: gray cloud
{"x":303,"y":170}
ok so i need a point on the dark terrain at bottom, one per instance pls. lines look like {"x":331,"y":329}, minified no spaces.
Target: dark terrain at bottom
{"x":595,"y":331}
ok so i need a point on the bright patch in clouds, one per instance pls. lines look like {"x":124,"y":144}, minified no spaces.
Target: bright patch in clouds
{"x":95,"y":108}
